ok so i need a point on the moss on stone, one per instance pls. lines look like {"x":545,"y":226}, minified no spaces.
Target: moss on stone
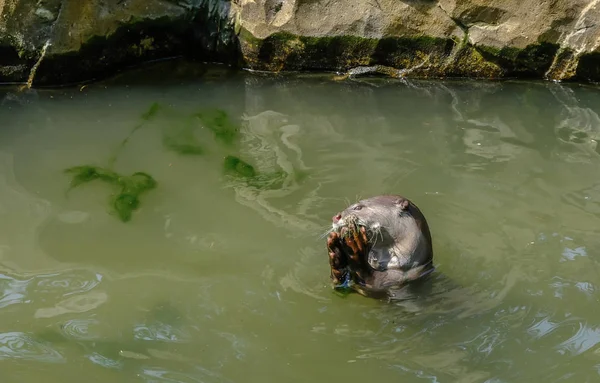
{"x":100,"y":55}
{"x":430,"y":55}
{"x":469,"y":62}
{"x":410,"y":52}
{"x":286,"y":51}
{"x":14,"y":67}
{"x":532,"y":61}
{"x":589,"y":67}
{"x":203,"y":34}
{"x":564,"y":65}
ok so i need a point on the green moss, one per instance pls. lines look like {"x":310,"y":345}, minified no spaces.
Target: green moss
{"x":440,"y":56}
{"x":126,"y":201}
{"x":533,"y":60}
{"x":469,"y":62}
{"x":203,"y":32}
{"x":286,"y":51}
{"x":564,"y":65}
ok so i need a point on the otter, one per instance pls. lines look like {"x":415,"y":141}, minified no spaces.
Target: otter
{"x":379,"y":244}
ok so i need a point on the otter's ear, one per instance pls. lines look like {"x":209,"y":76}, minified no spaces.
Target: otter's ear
{"x":402,"y":204}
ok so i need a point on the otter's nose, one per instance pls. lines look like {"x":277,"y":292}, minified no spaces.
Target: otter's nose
{"x":336,"y":218}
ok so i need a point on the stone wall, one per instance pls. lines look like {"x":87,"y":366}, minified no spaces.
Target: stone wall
{"x":83,"y":40}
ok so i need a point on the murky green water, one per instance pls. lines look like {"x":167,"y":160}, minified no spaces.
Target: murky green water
{"x":214,"y":280}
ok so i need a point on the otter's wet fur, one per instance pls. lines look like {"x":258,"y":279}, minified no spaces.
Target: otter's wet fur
{"x":384,"y":242}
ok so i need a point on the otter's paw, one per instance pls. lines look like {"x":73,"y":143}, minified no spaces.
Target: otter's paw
{"x":338,"y":261}
{"x":357,"y":243}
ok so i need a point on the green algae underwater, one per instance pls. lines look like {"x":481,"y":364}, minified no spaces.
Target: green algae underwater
{"x":179,"y":138}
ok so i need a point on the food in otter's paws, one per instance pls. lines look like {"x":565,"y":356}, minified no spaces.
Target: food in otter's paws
{"x":379,"y":243}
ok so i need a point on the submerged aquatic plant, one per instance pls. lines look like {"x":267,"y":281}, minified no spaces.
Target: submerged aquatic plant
{"x":131,"y":187}
{"x":218,"y":122}
{"x":182,"y":147}
{"x":151,"y":112}
{"x":239,"y":168}
{"x":182,"y":140}
{"x":146,"y":116}
{"x":236,"y":166}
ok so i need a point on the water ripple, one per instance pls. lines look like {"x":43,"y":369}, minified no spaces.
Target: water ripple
{"x":585,"y":338}
{"x":158,"y":374}
{"x":159,"y":332}
{"x":543,"y":327}
{"x":104,"y":361}
{"x":13,"y":291}
{"x":74,"y":304}
{"x":79,"y":328}
{"x":70,"y":283}
{"x":19,"y":345}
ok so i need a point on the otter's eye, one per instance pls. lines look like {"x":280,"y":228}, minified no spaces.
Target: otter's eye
{"x":357,"y":207}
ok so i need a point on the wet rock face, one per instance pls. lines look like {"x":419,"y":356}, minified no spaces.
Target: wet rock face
{"x":92,"y":38}
{"x":558,"y":39}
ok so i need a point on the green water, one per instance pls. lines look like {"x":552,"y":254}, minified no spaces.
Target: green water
{"x":218,"y":279}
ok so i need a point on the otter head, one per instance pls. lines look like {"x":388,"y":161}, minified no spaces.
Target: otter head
{"x":398,"y":232}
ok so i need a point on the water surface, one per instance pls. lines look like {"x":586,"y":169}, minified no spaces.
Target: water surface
{"x":216,"y":280}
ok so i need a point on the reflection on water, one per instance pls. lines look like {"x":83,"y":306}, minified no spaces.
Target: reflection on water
{"x":218,"y":279}
{"x":19,"y":345}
